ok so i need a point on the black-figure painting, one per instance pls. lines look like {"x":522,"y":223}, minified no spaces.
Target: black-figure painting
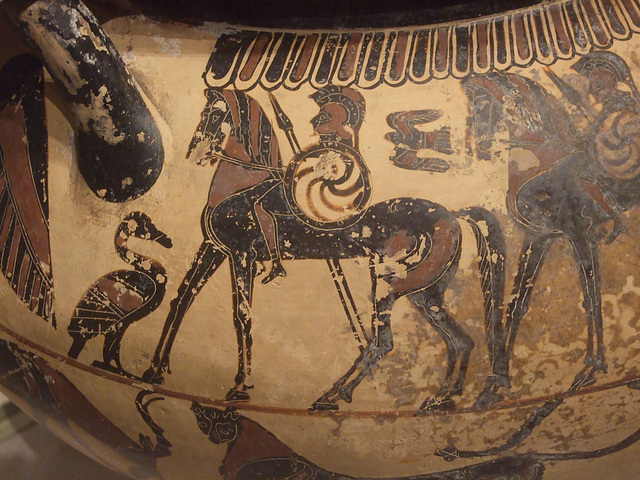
{"x":417,"y":242}
{"x":412,"y":245}
{"x":24,"y":205}
{"x":123,"y":297}
{"x":264,"y":210}
{"x":584,"y":182}
{"x":254,"y":452}
{"x":50,"y":395}
{"x":411,"y":142}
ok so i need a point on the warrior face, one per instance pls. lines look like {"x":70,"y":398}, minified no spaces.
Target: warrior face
{"x":602,"y":84}
{"x":331,"y":119}
{"x":341,"y":114}
{"x":220,"y":426}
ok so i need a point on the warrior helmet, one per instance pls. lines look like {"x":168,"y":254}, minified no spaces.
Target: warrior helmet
{"x":609,"y":61}
{"x":348,"y":98}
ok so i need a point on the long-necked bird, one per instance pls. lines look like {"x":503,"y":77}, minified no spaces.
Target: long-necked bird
{"x":122,"y":297}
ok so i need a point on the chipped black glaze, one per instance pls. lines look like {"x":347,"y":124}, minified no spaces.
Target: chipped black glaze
{"x":537,"y":106}
{"x":119,"y":147}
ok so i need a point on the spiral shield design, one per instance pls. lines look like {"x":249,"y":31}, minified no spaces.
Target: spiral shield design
{"x":616,"y":146}
{"x":328,"y":185}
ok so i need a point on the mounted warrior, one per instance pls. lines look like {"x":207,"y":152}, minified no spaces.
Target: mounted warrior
{"x":317,"y":209}
{"x":613,"y":151}
{"x":236,"y":137}
{"x":584,"y":178}
{"x":250,"y":160}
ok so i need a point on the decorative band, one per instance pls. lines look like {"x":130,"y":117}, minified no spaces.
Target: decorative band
{"x":544,"y":34}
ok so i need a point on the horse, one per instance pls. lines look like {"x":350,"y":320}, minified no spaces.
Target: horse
{"x":566,"y":195}
{"x":412,"y":245}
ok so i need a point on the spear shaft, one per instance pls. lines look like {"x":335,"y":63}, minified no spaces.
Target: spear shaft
{"x":339,"y":280}
{"x":284,"y":122}
{"x":570,"y":94}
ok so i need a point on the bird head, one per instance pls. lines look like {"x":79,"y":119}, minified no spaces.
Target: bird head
{"x":139,"y":225}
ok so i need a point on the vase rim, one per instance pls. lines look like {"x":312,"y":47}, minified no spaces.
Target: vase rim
{"x":312,"y":14}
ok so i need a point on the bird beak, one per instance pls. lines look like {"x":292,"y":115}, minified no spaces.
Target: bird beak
{"x":163,"y":240}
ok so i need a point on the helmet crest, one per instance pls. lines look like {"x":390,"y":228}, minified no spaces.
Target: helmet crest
{"x":346,"y":97}
{"x":608,"y":61}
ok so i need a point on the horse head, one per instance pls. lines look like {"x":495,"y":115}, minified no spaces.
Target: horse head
{"x":213,"y":128}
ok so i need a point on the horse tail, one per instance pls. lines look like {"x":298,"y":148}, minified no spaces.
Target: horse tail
{"x":492,"y":251}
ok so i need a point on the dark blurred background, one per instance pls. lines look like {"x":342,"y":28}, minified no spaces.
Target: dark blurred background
{"x":310,"y":13}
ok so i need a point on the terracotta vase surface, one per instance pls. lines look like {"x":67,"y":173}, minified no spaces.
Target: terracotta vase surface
{"x":378,"y":243}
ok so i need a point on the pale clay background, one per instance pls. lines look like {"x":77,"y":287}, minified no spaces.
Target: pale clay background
{"x":302,"y":342}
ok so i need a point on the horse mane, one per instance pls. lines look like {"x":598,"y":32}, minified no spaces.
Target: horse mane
{"x":539,"y":113}
{"x":250,"y":126}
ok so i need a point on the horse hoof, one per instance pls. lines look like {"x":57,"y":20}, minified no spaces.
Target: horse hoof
{"x":108,"y":367}
{"x":487,"y":398}
{"x":152,"y":377}
{"x":276,"y":271}
{"x":104,"y":365}
{"x":583,"y":379}
{"x":236,"y":395}
{"x":435,"y":405}
{"x":324,"y":406}
{"x":635,"y":384}
{"x":448,"y":453}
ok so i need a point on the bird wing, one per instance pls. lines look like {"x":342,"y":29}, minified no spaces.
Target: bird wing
{"x":110,"y":299}
{"x":404,"y":122}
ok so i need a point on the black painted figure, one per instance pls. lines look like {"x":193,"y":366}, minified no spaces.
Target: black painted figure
{"x":411,"y":143}
{"x":254,"y":452}
{"x":52,"y":397}
{"x":25,"y":252}
{"x":613,"y":159}
{"x":249,"y":138}
{"x":122,"y":297}
{"x":580,"y":186}
{"x":413,"y":247}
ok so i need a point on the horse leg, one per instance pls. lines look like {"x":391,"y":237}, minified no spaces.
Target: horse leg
{"x":459,"y":346}
{"x":242,"y":277}
{"x":534,"y":251}
{"x":586,"y":254}
{"x":380,"y":344}
{"x":206,"y":262}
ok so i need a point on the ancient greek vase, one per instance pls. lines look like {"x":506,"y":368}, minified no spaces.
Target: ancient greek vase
{"x":335,"y":249}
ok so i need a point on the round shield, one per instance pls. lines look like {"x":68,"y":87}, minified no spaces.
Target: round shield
{"x":616,"y":146}
{"x":328,"y":185}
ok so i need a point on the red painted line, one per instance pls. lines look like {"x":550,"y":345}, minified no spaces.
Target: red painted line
{"x":245,"y":406}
